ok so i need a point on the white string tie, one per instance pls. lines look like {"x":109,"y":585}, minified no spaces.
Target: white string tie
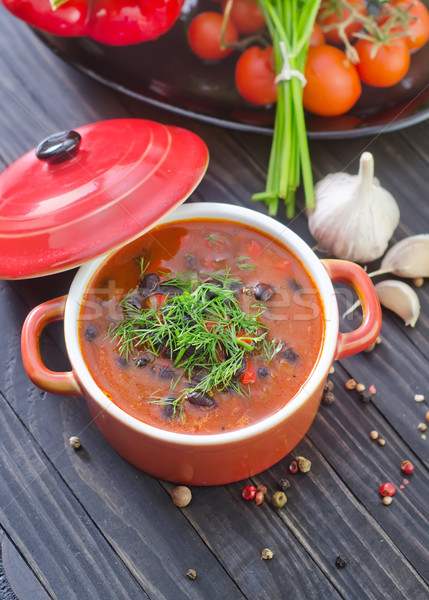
{"x":287,"y":73}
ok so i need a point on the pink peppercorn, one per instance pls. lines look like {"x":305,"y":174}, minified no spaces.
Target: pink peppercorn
{"x":387,"y":489}
{"x":259,"y":498}
{"x":293,"y":467}
{"x":249,"y":492}
{"x":407,"y":467}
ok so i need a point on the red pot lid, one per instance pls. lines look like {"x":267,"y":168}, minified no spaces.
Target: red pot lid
{"x":83,"y":193}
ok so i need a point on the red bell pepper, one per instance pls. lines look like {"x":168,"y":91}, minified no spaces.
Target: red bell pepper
{"x":249,"y":375}
{"x":113,"y":22}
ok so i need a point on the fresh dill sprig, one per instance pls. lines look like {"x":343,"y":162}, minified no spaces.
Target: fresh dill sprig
{"x":216,"y":240}
{"x":243,"y":265}
{"x":204,"y":329}
{"x":143,"y":265}
{"x":271,"y":348}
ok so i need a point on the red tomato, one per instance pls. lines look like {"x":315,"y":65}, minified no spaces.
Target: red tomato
{"x":382,"y":65}
{"x":332,"y":13}
{"x":317,"y":36}
{"x":418,"y":25}
{"x":255,"y":75}
{"x":204,"y":36}
{"x":246,"y":16}
{"x":333,"y":84}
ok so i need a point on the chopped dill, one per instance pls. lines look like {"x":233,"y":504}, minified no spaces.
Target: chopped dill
{"x":271,"y":348}
{"x":216,"y":240}
{"x":203,"y":328}
{"x":243,"y":265}
{"x":143,"y":266}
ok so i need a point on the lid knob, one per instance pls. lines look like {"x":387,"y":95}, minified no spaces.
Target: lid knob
{"x":59,"y":147}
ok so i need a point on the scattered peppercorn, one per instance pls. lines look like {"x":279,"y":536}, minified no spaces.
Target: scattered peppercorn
{"x":249,"y":492}
{"x":387,"y":489}
{"x":370,"y":348}
{"x":360,"y":387}
{"x":328,"y":398}
{"x":387,"y":500}
{"x":304,"y":465}
{"x":284,"y":484}
{"x":407,"y":467}
{"x":424,"y":436}
{"x":259,"y":498}
{"x":267,"y":554}
{"x":422,"y":426}
{"x":418,"y":281}
{"x":365,"y":396}
{"x":181,"y":496}
{"x":262,"y":488}
{"x":419,"y":397}
{"x":293,"y":467}
{"x":373,"y":434}
{"x":381,"y":442}
{"x":329,"y":385}
{"x":191,"y":574}
{"x":378,"y":340}
{"x":278,"y":499}
{"x":372,"y":389}
{"x":341,"y":562}
{"x":74,"y":442}
{"x":332,"y":370}
{"x":351,"y":384}
{"x":427,"y":416}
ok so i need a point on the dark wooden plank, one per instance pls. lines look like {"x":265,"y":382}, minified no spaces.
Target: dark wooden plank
{"x":51,"y":530}
{"x":17,"y":580}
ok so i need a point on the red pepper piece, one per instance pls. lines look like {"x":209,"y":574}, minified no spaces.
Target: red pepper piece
{"x":254,"y":249}
{"x":387,"y":489}
{"x":249,"y":492}
{"x":249,"y":375}
{"x":113,"y":22}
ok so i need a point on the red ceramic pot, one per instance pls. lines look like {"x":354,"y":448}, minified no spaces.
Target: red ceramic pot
{"x":217,"y":458}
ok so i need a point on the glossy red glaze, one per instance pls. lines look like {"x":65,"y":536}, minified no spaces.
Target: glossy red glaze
{"x":357,"y":278}
{"x":127,"y":174}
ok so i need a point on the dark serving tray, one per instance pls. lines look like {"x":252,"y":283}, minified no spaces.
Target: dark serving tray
{"x":165,"y":73}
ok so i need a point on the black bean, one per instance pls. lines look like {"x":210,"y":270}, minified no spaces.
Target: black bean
{"x":166,"y":373}
{"x":290,"y":355}
{"x":294,"y":284}
{"x":191,"y":261}
{"x":263,"y":372}
{"x":149,"y":284}
{"x":241,"y":369}
{"x":122,"y":362}
{"x":142,"y":361}
{"x":168,"y":409}
{"x":90,"y":332}
{"x":199,"y":398}
{"x":169,"y":290}
{"x":263,"y":292}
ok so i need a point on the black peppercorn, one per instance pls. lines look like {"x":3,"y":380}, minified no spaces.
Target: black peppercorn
{"x":341,"y":562}
{"x":365,"y":396}
{"x":284,"y":484}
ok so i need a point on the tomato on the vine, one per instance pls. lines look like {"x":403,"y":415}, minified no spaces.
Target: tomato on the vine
{"x":246,"y":15}
{"x":382,"y":65}
{"x":317,"y":36}
{"x":332,"y":13}
{"x":255,"y":75}
{"x":416,"y":22}
{"x":333,"y":84}
{"x":204,"y":36}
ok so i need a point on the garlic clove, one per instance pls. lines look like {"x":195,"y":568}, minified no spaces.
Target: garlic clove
{"x":400,"y":298}
{"x":354,"y":217}
{"x":408,"y":258}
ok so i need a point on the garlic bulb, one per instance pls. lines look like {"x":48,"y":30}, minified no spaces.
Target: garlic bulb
{"x":399,"y":297}
{"x":408,"y":258}
{"x":354,"y":216}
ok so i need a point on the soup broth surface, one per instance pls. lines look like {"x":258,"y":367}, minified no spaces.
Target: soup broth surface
{"x":267,"y":282}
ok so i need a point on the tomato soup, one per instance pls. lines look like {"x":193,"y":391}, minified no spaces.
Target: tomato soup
{"x":201,"y":326}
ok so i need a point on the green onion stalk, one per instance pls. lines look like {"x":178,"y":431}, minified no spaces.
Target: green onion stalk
{"x":290,"y":25}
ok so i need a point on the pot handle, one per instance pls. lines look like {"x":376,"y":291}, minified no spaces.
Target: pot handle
{"x":64,"y":383}
{"x":352,"y":274}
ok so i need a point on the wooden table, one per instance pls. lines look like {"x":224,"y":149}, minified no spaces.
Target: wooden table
{"x":85,"y":524}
